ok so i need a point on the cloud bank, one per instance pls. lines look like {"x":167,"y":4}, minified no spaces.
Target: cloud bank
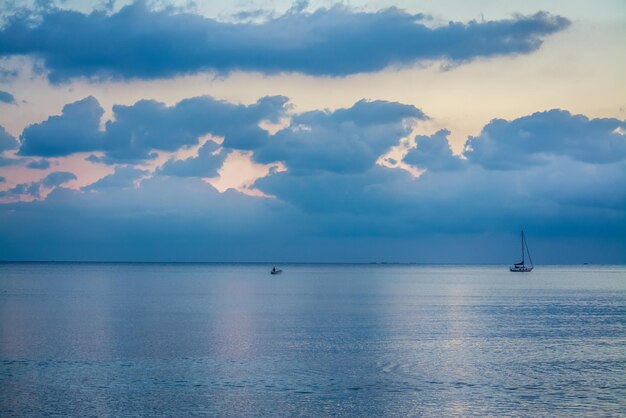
{"x":552,"y":173}
{"x":140,"y":42}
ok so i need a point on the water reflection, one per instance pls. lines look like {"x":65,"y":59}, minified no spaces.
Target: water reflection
{"x":100,"y":339}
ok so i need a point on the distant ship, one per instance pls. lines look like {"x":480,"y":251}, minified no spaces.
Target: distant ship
{"x":521,"y":267}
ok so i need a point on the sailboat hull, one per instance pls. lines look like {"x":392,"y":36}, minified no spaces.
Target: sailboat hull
{"x":521,"y":269}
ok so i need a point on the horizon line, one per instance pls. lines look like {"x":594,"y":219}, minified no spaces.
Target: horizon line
{"x":382,"y":263}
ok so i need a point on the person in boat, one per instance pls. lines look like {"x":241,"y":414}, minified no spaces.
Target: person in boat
{"x":273,"y":269}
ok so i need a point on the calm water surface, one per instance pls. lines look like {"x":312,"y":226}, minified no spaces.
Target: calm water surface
{"x":318,"y":340}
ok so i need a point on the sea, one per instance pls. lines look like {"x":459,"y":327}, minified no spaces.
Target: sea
{"x":318,"y":340}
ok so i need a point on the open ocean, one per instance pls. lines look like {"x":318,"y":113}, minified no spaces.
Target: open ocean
{"x":82,"y":339}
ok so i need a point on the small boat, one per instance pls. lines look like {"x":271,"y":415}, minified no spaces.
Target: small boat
{"x":521,"y":267}
{"x":275,"y":271}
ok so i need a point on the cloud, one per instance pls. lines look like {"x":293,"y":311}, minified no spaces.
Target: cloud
{"x":346,"y":140}
{"x":210,"y":158}
{"x":138,"y":130}
{"x":57,"y":178}
{"x":356,"y":195}
{"x":149,"y":125}
{"x":33,"y":189}
{"x":538,"y":138}
{"x":142,"y":42}
{"x":6,"y":97}
{"x":22,"y":189}
{"x":563,"y":195}
{"x":75,"y":130}
{"x":122,"y":177}
{"x":2,"y":179}
{"x":7,"y":142}
{"x":563,"y":198}
{"x":434,"y":153}
{"x":41,"y":164}
{"x":177,"y":218}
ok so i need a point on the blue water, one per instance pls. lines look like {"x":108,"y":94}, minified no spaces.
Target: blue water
{"x":318,"y":340}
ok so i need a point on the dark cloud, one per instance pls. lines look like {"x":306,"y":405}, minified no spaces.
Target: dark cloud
{"x":138,"y":130}
{"x":346,"y":140}
{"x":57,"y":178}
{"x":41,"y":164}
{"x":434,"y":153}
{"x":141,"y":42}
{"x":75,"y":130}
{"x":538,"y":138}
{"x":6,"y":97}
{"x":355,"y":195}
{"x":365,"y":112}
{"x":174,"y":217}
{"x":7,"y":142}
{"x":123,"y":177}
{"x":210,"y":158}
{"x":563,"y":198}
{"x":22,"y":189}
{"x":564,"y":195}
{"x":33,"y":189}
{"x":149,"y":125}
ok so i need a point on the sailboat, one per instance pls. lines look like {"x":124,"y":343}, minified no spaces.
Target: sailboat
{"x":521,"y":267}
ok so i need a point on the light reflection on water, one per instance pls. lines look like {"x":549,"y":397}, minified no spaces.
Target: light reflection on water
{"x":354,"y":340}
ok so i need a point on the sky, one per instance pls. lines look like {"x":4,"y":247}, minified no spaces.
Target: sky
{"x":279,"y":131}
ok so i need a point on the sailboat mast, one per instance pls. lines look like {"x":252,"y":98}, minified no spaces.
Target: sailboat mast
{"x":528,"y":251}
{"x":521,"y":266}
